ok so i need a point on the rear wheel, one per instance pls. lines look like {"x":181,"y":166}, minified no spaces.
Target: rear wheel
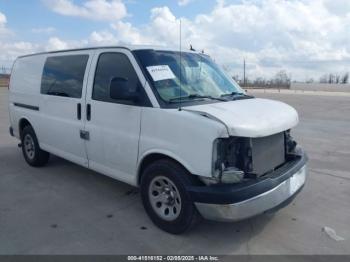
{"x":164,"y":196}
{"x":31,"y":150}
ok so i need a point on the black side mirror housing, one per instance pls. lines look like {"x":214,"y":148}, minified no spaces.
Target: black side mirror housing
{"x":120,"y":90}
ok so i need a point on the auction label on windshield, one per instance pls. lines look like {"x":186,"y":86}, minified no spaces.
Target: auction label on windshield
{"x":161,"y":72}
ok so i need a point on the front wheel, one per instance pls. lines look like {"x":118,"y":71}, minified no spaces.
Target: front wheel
{"x":164,"y":196}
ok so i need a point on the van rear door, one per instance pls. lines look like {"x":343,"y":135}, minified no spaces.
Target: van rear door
{"x":63,"y":89}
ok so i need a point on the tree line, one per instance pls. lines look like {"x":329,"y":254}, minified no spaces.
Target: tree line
{"x":283,"y":80}
{"x":335,"y":78}
{"x":280,"y":80}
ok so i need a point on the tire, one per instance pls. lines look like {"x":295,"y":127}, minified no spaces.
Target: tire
{"x":31,"y":150}
{"x":171,"y":208}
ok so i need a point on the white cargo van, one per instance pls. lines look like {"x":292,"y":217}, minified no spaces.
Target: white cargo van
{"x":169,"y":122}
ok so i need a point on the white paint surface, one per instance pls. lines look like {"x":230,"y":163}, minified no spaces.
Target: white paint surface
{"x":251,"y":117}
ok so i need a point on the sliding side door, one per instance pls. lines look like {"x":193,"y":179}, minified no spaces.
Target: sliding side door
{"x":62,"y":105}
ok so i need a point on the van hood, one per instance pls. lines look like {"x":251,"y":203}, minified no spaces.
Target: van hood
{"x":250,"y":117}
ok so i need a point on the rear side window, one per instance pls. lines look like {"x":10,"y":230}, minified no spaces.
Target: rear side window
{"x":64,"y":75}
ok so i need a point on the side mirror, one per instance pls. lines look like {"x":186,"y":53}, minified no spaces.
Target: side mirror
{"x":120,"y":89}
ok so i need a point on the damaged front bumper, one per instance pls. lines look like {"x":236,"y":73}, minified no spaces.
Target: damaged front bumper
{"x":240,"y":201}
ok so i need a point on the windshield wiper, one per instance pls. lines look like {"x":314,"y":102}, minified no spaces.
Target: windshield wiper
{"x":237,"y":95}
{"x":196,"y":96}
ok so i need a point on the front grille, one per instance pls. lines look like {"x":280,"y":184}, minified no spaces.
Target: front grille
{"x":267,"y":153}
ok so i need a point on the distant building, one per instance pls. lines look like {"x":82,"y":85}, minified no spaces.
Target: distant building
{"x":4,"y":80}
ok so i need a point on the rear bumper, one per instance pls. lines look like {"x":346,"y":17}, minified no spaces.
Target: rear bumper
{"x":238,"y":202}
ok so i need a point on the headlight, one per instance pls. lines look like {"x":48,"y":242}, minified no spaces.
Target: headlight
{"x":290,"y":143}
{"x":231,"y":175}
{"x":225,"y":160}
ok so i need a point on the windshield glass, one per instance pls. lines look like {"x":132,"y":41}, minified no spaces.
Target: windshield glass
{"x":190,"y":76}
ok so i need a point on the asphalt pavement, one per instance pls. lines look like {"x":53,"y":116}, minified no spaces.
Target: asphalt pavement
{"x":66,"y":209}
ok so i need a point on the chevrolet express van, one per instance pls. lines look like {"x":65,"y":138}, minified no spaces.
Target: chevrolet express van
{"x":171,"y":123}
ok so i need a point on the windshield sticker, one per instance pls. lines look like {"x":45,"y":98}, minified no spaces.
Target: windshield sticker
{"x":161,"y":72}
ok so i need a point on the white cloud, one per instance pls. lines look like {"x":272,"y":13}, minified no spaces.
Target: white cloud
{"x":103,"y":10}
{"x":3,"y":20}
{"x":10,"y":51}
{"x":103,"y":38}
{"x":4,"y":31}
{"x":43,"y":30}
{"x":55,"y":43}
{"x":300,"y":36}
{"x":339,"y":7}
{"x":184,"y":2}
{"x":305,"y":37}
{"x":128,"y":34}
{"x":164,"y":25}
{"x":163,"y":29}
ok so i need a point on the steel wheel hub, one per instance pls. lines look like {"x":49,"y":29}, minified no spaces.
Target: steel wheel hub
{"x":165,"y":198}
{"x":29,"y":146}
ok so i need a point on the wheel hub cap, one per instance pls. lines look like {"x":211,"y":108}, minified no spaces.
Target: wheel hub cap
{"x":29,"y":146}
{"x":165,"y":198}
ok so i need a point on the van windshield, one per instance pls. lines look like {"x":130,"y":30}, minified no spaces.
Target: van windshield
{"x":191,"y":76}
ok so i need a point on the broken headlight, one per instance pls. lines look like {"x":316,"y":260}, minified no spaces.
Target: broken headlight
{"x":226,"y":158}
{"x":290,"y":144}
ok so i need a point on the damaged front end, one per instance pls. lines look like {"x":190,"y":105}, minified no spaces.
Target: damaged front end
{"x":236,"y":159}
{"x":251,"y":176}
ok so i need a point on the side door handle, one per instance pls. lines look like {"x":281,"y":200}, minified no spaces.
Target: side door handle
{"x":85,"y":135}
{"x":88,"y":112}
{"x":79,"y":111}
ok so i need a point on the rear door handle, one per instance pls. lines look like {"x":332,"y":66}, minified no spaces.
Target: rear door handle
{"x":79,"y":111}
{"x":88,"y":112}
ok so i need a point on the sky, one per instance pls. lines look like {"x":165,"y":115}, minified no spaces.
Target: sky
{"x":306,"y":38}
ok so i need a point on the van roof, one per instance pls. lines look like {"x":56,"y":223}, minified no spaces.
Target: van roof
{"x":128,"y":47}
